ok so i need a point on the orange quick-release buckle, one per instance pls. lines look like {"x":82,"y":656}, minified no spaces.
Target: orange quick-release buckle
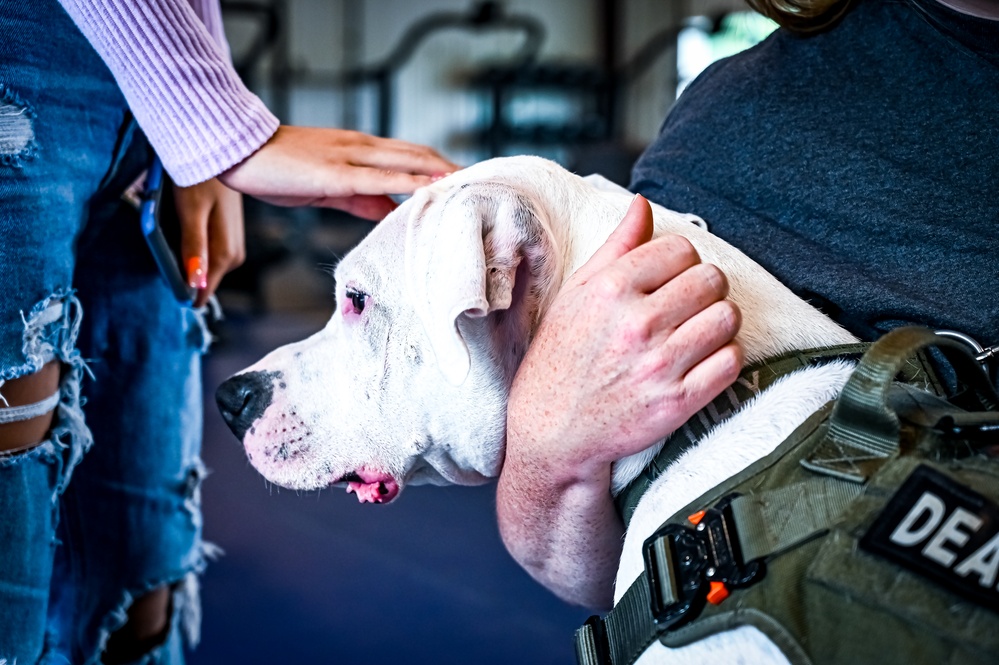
{"x":687,"y":567}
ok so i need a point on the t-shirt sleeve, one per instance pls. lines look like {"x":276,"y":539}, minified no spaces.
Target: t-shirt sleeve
{"x":179,"y":82}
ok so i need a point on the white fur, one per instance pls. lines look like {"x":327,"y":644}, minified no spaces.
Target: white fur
{"x":459,"y":277}
{"x":759,"y":427}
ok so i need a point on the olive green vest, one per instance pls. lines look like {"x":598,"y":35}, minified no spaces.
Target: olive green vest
{"x":871,"y":535}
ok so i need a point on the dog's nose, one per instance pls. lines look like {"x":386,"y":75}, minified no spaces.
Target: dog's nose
{"x":243,"y":398}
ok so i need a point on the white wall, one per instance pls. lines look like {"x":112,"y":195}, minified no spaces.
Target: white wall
{"x":433,"y":106}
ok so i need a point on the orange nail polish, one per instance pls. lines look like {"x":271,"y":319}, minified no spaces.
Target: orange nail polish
{"x":196,"y":275}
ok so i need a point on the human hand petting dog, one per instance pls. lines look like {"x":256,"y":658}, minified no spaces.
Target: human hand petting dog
{"x":212,"y":238}
{"x":313,"y":166}
{"x":639,"y":340}
{"x":335,"y":168}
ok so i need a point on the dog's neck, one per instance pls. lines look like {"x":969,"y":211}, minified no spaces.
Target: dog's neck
{"x":774,"y":320}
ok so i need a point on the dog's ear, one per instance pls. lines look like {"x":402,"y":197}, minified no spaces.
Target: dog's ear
{"x":462,"y":255}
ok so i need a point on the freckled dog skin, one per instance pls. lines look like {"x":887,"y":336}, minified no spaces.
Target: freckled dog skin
{"x":408,"y":381}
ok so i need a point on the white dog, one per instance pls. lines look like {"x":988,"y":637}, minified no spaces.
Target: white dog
{"x":408,"y":381}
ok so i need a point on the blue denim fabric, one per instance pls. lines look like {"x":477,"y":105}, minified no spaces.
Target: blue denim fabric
{"x":81,"y":536}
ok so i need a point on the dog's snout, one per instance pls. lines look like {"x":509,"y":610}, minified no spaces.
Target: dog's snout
{"x":243,"y":398}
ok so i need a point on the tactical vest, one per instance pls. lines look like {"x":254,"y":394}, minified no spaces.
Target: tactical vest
{"x":870,"y":535}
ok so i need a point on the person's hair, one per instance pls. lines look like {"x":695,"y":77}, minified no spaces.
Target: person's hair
{"x":802,"y":16}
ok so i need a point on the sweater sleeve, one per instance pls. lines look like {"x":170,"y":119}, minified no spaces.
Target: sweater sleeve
{"x":179,"y":83}
{"x":210,"y":13}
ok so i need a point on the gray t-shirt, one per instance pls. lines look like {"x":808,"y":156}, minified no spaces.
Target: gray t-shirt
{"x":860,"y":165}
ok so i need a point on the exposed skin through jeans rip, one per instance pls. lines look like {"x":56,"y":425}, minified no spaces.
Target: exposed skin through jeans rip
{"x":17,"y":133}
{"x":50,"y":332}
{"x":180,"y":600}
{"x":150,"y":621}
{"x":44,"y":392}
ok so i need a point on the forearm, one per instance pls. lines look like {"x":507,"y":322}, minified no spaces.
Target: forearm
{"x":636,"y":342}
{"x":564,"y":531}
{"x":179,"y":84}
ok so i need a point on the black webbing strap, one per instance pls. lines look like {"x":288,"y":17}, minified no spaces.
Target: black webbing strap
{"x":753,"y":380}
{"x":622,"y":635}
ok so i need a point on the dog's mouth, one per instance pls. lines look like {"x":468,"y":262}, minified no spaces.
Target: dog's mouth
{"x":371,"y":486}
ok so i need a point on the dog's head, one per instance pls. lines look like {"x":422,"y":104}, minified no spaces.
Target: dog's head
{"x":408,"y":381}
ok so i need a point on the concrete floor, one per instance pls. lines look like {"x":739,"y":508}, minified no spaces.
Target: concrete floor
{"x":316,"y":577}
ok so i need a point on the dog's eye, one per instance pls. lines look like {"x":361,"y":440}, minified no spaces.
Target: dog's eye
{"x":357,"y":300}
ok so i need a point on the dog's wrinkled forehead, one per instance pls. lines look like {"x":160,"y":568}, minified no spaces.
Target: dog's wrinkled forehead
{"x":385,"y":246}
{"x":359,"y":273}
{"x":376,"y":268}
{"x":449,"y":251}
{"x":433,"y":219}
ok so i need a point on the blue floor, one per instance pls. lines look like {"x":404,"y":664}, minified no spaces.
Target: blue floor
{"x":318,"y":578}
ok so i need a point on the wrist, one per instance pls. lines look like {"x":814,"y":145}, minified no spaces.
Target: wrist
{"x":556,"y":456}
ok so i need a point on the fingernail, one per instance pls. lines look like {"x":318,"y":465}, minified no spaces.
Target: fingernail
{"x":440,"y":176}
{"x":196,"y":276}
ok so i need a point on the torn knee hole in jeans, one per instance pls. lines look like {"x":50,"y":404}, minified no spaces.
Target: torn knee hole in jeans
{"x":17,"y":132}
{"x":50,"y":332}
{"x":185,"y":606}
{"x":25,"y":426}
{"x":184,"y":612}
{"x":146,"y":628}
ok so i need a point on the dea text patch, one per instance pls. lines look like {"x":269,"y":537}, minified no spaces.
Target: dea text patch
{"x":943,"y":530}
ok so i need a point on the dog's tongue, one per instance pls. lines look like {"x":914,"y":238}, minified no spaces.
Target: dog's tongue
{"x":376,"y":487}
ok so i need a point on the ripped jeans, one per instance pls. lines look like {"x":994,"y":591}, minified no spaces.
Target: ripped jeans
{"x":107,"y":507}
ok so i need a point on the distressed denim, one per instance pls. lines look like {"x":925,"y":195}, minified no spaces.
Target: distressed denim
{"x":107,"y":507}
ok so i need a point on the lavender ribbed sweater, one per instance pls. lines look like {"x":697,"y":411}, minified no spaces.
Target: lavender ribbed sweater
{"x":174,"y":70}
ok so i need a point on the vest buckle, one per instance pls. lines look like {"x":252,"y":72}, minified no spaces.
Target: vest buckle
{"x":681,"y":563}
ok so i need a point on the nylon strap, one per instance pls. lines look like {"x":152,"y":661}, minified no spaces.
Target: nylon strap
{"x":623,"y":634}
{"x":767,"y":525}
{"x":753,"y":380}
{"x":770,"y":523}
{"x":863,"y":429}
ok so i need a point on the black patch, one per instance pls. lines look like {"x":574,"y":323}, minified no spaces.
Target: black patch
{"x":943,"y":530}
{"x":243,"y":398}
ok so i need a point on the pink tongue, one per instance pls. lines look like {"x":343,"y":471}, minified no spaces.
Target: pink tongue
{"x":377,"y":488}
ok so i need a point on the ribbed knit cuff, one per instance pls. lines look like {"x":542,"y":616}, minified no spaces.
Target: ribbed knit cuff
{"x":179,"y":83}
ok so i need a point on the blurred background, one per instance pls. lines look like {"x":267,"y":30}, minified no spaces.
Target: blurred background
{"x":315,"y":577}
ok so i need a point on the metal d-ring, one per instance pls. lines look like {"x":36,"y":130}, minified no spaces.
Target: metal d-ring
{"x":982,"y":354}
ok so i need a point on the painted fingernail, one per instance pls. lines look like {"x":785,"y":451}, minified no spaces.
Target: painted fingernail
{"x":440,"y":176}
{"x":196,"y":276}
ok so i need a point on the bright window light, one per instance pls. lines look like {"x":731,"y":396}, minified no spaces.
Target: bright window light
{"x":697,"y":46}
